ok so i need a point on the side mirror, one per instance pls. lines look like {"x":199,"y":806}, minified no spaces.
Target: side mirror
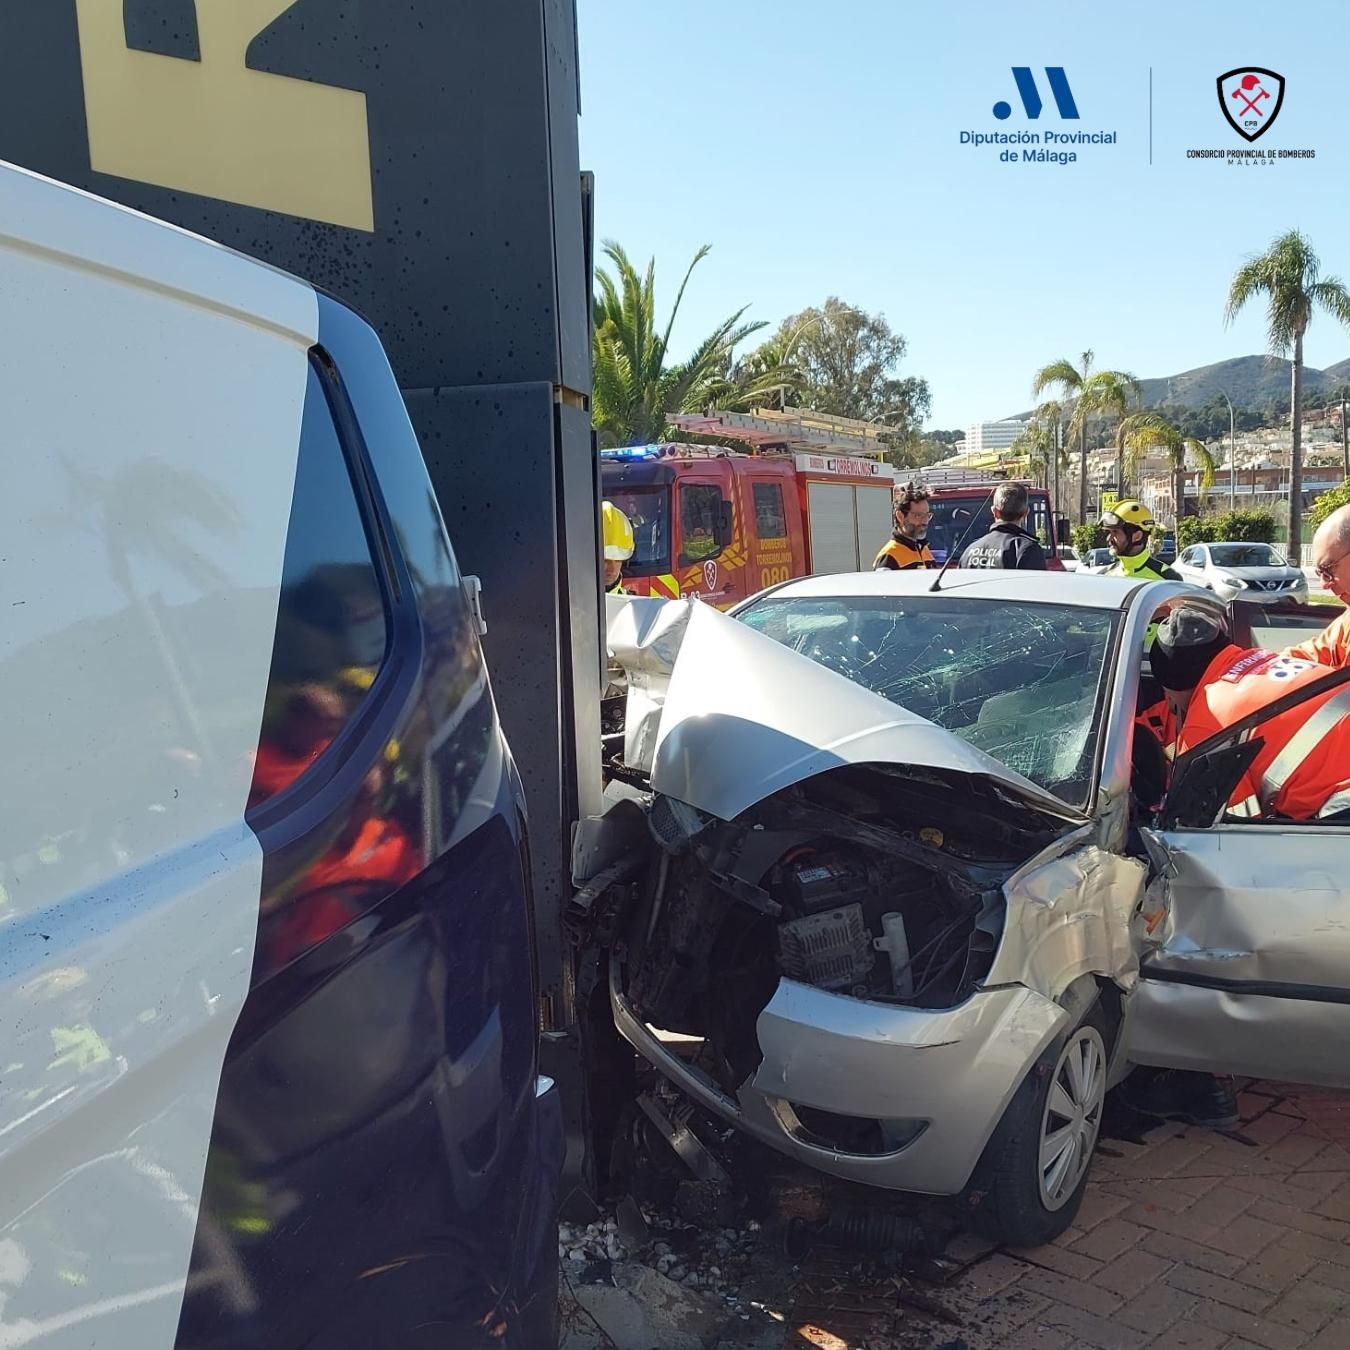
{"x":1203,"y":783}
{"x":725,"y":528}
{"x":960,"y":513}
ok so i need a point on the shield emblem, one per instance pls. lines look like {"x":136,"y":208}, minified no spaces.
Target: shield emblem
{"x":1251,"y":99}
{"x":710,"y":574}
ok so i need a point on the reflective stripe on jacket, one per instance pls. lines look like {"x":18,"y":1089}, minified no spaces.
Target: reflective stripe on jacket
{"x":901,"y":554}
{"x":1142,"y":567}
{"x":1303,"y":768}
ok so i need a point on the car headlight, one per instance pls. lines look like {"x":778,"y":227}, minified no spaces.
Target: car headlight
{"x":1233,"y":583}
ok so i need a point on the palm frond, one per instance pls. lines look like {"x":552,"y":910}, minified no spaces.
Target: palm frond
{"x":1062,"y":373}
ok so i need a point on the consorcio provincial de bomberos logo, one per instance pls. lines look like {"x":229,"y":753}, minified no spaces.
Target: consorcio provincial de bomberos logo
{"x":1250,"y":99}
{"x":1046,"y":144}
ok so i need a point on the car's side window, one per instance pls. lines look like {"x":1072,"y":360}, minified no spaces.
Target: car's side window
{"x":332,"y":627}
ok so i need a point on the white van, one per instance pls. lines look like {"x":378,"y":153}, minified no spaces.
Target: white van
{"x":267,"y":1006}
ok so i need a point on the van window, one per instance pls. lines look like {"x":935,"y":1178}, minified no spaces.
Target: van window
{"x":770,"y":522}
{"x":332,"y":629}
{"x":700,"y":504}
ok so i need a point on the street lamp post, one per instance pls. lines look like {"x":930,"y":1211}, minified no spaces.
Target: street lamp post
{"x":1345,"y":446}
{"x":1232,"y":455}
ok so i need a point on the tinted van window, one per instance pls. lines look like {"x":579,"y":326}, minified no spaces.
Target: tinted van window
{"x":332,"y":628}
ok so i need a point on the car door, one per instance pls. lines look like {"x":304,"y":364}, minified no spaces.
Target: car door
{"x":707,"y":568}
{"x":1190,"y":565}
{"x":1247,"y":967}
{"x":1280,"y":625}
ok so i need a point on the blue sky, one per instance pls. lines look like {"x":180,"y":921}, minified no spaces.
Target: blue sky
{"x":815,"y":146}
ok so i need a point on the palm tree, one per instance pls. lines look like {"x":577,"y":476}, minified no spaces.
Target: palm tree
{"x":769,"y":373}
{"x":1145,"y":431}
{"x":1107,"y":393}
{"x":1040,"y":443}
{"x":634,"y":387}
{"x":1288,"y":275}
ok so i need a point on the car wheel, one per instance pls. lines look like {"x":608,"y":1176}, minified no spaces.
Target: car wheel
{"x":1030,"y":1181}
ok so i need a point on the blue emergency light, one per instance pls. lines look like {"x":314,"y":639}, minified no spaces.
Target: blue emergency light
{"x":628,"y":452}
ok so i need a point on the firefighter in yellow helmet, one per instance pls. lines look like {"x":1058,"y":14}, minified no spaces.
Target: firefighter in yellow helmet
{"x":617,"y":536}
{"x":1128,"y":524}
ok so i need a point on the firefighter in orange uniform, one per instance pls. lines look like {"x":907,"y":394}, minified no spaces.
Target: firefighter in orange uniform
{"x":908,"y":547}
{"x":1302,"y":771}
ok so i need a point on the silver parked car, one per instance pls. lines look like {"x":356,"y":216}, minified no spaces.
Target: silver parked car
{"x":878,"y":848}
{"x":1257,"y":573}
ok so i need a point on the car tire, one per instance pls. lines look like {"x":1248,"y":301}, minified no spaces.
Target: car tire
{"x":1016,"y":1197}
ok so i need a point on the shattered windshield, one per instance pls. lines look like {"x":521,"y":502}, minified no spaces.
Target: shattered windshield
{"x":1018,"y":681}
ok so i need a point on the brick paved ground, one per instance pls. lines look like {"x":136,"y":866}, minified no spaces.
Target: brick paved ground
{"x":1189,"y":1240}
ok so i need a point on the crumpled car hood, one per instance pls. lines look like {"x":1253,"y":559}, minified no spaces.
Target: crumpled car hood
{"x":721,"y":717}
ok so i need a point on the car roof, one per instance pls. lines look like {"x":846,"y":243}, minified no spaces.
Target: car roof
{"x":1048,"y":588}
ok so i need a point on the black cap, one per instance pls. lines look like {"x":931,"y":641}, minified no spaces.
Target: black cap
{"x":1188,"y":640}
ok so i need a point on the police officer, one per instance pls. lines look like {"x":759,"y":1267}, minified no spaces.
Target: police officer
{"x":617,"y":534}
{"x":908,"y":546}
{"x":1128,"y":524}
{"x":1009,"y":544}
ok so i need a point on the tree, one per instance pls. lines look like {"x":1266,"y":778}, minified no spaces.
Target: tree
{"x":635,"y":388}
{"x":917,"y":450}
{"x":1145,"y":431}
{"x":768,"y":375}
{"x":848,"y":361}
{"x":1039,"y":443}
{"x":1327,"y":502}
{"x":1109,"y":393}
{"x":1288,"y":274}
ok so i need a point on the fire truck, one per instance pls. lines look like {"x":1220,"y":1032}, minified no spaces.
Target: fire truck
{"x":719,"y":525}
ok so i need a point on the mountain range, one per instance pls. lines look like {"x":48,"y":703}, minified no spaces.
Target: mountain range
{"x":1250,"y":381}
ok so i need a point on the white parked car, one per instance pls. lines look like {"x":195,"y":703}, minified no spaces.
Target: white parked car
{"x":1068,"y":557}
{"x":1258,"y":573}
{"x":1097,"y":561}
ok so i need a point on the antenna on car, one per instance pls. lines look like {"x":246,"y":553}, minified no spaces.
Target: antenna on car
{"x":955,"y":553}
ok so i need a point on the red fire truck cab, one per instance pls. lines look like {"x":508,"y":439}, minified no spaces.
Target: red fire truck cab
{"x":719,"y":525}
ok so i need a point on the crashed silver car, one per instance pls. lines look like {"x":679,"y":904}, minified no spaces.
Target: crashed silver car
{"x":880,"y":849}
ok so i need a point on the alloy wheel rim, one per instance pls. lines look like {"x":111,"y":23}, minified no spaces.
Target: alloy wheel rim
{"x":1072,"y":1117}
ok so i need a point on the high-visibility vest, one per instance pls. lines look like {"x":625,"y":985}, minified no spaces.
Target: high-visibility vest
{"x":1142,"y":567}
{"x":905,"y":554}
{"x":1303,"y":768}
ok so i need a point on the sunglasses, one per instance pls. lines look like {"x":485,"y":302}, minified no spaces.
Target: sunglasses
{"x":1327,"y":571}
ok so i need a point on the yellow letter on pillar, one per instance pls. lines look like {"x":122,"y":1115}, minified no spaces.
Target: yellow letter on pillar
{"x":218,"y":129}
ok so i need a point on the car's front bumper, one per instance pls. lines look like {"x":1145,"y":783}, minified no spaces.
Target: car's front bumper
{"x":941,"y":1079}
{"x":1254,"y":597}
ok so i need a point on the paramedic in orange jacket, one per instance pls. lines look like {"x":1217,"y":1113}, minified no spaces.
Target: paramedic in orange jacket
{"x":1331,"y":560}
{"x":908,"y":545}
{"x":1302,"y":771}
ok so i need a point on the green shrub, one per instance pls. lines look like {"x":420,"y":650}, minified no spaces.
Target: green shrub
{"x":1328,"y":502}
{"x":1244,"y":527}
{"x":1241,"y":527}
{"x":1192,"y":530}
{"x":1089,"y":536}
